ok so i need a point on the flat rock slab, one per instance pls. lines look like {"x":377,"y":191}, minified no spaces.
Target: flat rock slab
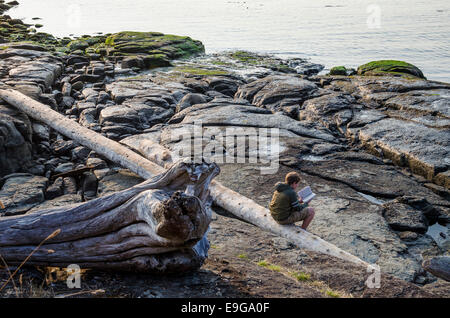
{"x":434,"y":101}
{"x":425,"y":150}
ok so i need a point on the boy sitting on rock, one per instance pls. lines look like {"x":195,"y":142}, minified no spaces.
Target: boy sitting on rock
{"x":285,"y":206}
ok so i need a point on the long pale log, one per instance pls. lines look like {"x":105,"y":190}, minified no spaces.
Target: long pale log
{"x":151,"y":227}
{"x":226,"y":198}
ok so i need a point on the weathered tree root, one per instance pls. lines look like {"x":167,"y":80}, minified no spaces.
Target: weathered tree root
{"x":151,"y":227}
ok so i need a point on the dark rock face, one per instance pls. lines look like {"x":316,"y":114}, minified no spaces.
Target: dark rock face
{"x":15,"y":140}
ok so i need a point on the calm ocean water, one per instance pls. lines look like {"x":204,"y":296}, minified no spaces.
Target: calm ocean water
{"x":330,"y":32}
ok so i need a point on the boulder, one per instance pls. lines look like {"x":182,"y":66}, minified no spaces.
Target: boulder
{"x":390,"y":67}
{"x":276,"y":92}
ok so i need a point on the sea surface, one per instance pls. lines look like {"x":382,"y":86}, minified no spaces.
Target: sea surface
{"x":329,"y":32}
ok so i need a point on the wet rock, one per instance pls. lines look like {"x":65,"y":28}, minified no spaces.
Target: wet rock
{"x":21,"y":192}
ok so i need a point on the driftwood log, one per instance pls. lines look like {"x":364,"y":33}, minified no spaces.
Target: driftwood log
{"x":153,"y":227}
{"x":224,"y":197}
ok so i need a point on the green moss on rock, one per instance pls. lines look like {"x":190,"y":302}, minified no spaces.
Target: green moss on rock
{"x":173,"y":46}
{"x":86,"y":42}
{"x":338,"y":70}
{"x":390,"y":67}
{"x":199,"y":71}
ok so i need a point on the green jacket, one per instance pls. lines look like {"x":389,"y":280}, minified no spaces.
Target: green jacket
{"x":284,"y":202}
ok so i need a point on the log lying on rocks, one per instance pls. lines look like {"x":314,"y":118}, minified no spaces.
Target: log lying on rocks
{"x":151,"y":227}
{"x":226,"y":198}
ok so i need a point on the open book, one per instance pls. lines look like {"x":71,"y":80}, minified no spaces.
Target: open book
{"x":306,"y":194}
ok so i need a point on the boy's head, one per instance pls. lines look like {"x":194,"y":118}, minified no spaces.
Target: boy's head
{"x":292,"y":179}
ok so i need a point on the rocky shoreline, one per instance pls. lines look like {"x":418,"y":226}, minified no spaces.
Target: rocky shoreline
{"x":375,"y":148}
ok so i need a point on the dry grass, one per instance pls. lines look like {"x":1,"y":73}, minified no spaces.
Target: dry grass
{"x":306,"y":278}
{"x":33,"y":292}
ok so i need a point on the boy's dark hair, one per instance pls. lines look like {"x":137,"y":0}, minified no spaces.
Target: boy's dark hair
{"x":292,"y":177}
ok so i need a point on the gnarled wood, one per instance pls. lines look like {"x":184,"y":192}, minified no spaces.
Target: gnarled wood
{"x":151,"y":227}
{"x":228,"y":199}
